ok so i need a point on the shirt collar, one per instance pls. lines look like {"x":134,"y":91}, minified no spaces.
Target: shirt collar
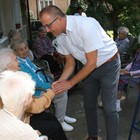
{"x":69,"y":25}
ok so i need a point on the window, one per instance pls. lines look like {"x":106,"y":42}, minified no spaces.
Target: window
{"x":44,"y":3}
{"x":41,"y":5}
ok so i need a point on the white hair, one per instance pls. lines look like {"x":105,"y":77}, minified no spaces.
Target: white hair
{"x":123,"y":29}
{"x":5,"y":58}
{"x":15,"y":87}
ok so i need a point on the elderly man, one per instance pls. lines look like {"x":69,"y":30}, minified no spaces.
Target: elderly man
{"x":84,"y":39}
{"x":36,"y":116}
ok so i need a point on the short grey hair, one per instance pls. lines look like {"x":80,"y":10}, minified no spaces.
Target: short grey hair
{"x":123,"y":29}
{"x":13,"y":33}
{"x":15,"y":87}
{"x":5,"y":58}
{"x":17,"y":44}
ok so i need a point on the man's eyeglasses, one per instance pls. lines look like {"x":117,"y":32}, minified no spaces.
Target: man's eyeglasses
{"x":49,"y":25}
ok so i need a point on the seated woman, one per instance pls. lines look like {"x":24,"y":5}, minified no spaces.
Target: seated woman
{"x":36,"y":116}
{"x":45,"y":50}
{"x":15,"y":35}
{"x":17,"y":87}
{"x":132,"y":69}
{"x":20,"y":48}
{"x":123,"y":43}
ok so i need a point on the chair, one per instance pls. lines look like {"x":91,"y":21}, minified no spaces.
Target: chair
{"x":129,"y":85}
{"x":135,"y":123}
{"x":126,"y":55}
{"x":55,"y":45}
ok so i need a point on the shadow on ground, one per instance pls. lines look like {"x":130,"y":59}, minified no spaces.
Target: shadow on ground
{"x":75,"y":109}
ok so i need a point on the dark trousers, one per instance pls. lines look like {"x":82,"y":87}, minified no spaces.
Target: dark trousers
{"x":48,"y":125}
{"x":103,"y":80}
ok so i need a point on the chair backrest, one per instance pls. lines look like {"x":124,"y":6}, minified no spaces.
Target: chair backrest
{"x":42,"y":64}
{"x":127,"y":54}
{"x":131,"y":39}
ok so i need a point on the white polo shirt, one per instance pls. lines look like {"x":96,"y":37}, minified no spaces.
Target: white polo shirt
{"x":83,"y":35}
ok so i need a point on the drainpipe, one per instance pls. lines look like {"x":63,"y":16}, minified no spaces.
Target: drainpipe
{"x":37,"y":9}
{"x":29,"y":25}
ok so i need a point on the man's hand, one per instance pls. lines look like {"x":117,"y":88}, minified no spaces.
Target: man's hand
{"x":61,"y":86}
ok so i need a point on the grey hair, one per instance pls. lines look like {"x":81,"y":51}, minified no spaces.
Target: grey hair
{"x":5,"y":58}
{"x":13,"y":33}
{"x":17,"y":43}
{"x":123,"y":29}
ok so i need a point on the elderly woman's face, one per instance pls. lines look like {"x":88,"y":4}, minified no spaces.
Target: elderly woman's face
{"x":14,"y":65}
{"x":122,"y":35}
{"x":42,"y":34}
{"x":22,"y":50}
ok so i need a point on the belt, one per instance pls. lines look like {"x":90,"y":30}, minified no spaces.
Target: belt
{"x":112,"y":58}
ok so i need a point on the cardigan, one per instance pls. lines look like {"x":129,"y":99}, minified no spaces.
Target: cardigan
{"x":27,"y":66}
{"x":38,"y":105}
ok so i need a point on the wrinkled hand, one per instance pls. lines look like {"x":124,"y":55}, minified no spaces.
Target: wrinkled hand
{"x":61,"y":86}
{"x":124,"y":71}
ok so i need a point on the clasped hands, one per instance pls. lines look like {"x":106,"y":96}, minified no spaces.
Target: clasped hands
{"x":124,"y":71}
{"x":60,"y":86}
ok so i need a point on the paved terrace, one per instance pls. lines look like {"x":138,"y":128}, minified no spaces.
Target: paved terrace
{"x":75,"y":109}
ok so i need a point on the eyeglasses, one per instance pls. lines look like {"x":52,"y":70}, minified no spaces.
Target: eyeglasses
{"x":49,"y":25}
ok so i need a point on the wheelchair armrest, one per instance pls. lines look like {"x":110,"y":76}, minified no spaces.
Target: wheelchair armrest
{"x":41,"y":89}
{"x":40,"y":69}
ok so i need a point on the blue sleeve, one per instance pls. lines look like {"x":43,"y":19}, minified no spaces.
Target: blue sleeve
{"x":34,"y":76}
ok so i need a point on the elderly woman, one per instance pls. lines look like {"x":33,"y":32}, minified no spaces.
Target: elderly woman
{"x":131,"y":70}
{"x":36,"y":116}
{"x":45,"y":50}
{"x":17,"y":87}
{"x":14,"y":35}
{"x":122,"y":41}
{"x":20,"y":48}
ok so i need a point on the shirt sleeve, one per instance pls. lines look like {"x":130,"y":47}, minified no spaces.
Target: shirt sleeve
{"x":39,"y":104}
{"x":135,"y":73}
{"x":128,"y":67}
{"x":92,"y":36}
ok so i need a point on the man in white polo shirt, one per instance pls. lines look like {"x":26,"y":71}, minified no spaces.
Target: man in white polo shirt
{"x":84,"y":39}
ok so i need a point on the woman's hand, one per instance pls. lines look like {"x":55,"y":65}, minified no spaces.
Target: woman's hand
{"x":124,"y":71}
